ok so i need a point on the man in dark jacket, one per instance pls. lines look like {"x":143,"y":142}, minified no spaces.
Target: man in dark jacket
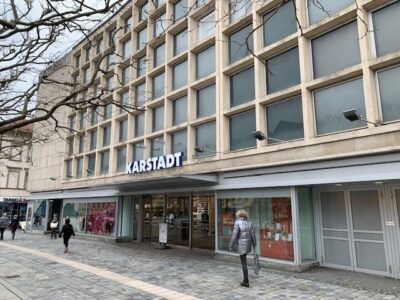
{"x":66,"y":231}
{"x":4,"y":221}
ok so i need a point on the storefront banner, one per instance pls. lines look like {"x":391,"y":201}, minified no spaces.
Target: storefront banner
{"x":12,"y":199}
{"x":155,"y":163}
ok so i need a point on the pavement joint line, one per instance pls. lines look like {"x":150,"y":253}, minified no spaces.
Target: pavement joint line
{"x":135,"y":283}
{"x":19,"y":294}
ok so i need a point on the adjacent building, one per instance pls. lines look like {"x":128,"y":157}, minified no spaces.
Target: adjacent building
{"x":291,"y":113}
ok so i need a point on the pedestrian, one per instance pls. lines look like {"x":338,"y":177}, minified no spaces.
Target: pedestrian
{"x":66,"y":231}
{"x":54,"y":226}
{"x":3,"y":225}
{"x":243,"y":237}
{"x":14,"y":225}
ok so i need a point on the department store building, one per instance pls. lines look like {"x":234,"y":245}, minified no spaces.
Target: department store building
{"x":237,"y":107}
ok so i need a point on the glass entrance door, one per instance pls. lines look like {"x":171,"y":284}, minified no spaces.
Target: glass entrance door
{"x":203,"y":221}
{"x":153,"y":209}
{"x":178,"y":219}
{"x":352,"y":234}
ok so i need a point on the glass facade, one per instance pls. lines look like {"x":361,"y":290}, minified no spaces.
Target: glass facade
{"x":179,"y":143}
{"x":180,"y":42}
{"x":159,"y":55}
{"x":206,"y":138}
{"x":205,"y":104}
{"x":241,"y":127}
{"x":139,"y":125}
{"x":242,"y":87}
{"x":205,"y":62}
{"x":239,"y":9}
{"x":158,"y":118}
{"x":179,"y":112}
{"x":158,"y":85}
{"x":206,"y":26}
{"x":389,"y":91}
{"x":270,"y":215}
{"x":179,"y":75}
{"x":100,"y":218}
{"x":316,"y":14}
{"x":240,"y":43}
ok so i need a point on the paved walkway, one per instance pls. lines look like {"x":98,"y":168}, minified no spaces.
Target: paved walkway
{"x":35,"y":267}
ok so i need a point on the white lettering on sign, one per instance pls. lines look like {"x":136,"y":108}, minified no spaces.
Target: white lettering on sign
{"x":155,"y":163}
{"x":389,"y":223}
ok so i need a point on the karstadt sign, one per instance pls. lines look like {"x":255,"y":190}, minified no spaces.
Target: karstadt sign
{"x":155,"y":163}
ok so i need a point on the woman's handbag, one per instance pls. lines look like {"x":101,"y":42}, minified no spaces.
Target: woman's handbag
{"x":53,"y":225}
{"x":256,"y":264}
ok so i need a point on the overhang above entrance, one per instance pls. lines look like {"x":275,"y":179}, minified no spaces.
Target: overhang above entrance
{"x":176,"y":182}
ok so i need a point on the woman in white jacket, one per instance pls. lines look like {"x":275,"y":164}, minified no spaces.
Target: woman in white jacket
{"x":243,"y":237}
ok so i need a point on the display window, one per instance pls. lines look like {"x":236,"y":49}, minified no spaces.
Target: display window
{"x":97,"y":218}
{"x":272,"y":221}
{"x":101,"y":218}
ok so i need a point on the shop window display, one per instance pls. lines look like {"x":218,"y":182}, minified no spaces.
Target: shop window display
{"x":272,"y":221}
{"x":76,"y":212}
{"x":101,"y":218}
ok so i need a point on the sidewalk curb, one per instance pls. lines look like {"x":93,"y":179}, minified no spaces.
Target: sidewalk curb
{"x":14,"y":290}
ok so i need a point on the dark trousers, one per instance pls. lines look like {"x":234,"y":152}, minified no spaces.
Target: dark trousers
{"x":2,"y":233}
{"x":13,"y":233}
{"x":53,"y":233}
{"x":66,"y":239}
{"x":244,"y":267}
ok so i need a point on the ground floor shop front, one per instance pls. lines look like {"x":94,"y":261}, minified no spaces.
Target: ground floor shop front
{"x":300,"y":219}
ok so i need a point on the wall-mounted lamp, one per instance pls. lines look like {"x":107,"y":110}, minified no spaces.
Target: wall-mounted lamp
{"x":53,"y":178}
{"x":259,"y":135}
{"x":70,"y":176}
{"x":89,"y":171}
{"x":354,"y":115}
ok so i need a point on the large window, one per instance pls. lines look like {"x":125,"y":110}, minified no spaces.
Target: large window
{"x":283,"y":71}
{"x":81,"y":142}
{"x":128,"y":24}
{"x":205,"y":62}
{"x":206,"y":139}
{"x":101,"y":218}
{"x":91,"y":165}
{"x":271,"y":217}
{"x":158,"y":85}
{"x":241,"y":127}
{"x":106,"y":136}
{"x":79,"y":167}
{"x":160,"y":25}
{"x":126,"y":75}
{"x":205,"y":105}
{"x":121,"y":159}
{"x":240,"y":43}
{"x":280,"y":23}
{"x":158,"y":118}
{"x":320,"y":10}
{"x":107,"y":111}
{"x":76,"y":213}
{"x":180,"y":42}
{"x":239,"y":8}
{"x":386,"y":22}
{"x":242,"y":87}
{"x":159,"y":55}
{"x":140,"y":94}
{"x":104,"y":162}
{"x":141,"y":66}
{"x":206,"y":26}
{"x":110,"y":60}
{"x":143,"y":11}
{"x":179,"y":143}
{"x":157,"y":147}
{"x":142,"y":38}
{"x":336,"y":50}
{"x":139,"y":125}
{"x":138,"y":151}
{"x":389,"y":91}
{"x":123,"y":130}
{"x":330,"y":102}
{"x":93,"y":140}
{"x":180,"y":9}
{"x":68,"y":168}
{"x":179,"y":75}
{"x":124,"y":102}
{"x":126,"y":49}
{"x":70,"y":145}
{"x":179,"y":110}
{"x":285,"y":120}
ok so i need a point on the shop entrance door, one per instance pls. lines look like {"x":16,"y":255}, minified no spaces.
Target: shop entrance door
{"x":178,"y":219}
{"x":352,"y":234}
{"x":203,"y":221}
{"x":153,"y":215}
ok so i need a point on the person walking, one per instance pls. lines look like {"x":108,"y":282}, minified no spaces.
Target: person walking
{"x":54,"y":226}
{"x":243,"y":237}
{"x":66,"y":231}
{"x":3,"y":225}
{"x":14,"y":226}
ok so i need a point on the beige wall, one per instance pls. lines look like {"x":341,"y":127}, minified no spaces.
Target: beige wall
{"x":351,"y":143}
